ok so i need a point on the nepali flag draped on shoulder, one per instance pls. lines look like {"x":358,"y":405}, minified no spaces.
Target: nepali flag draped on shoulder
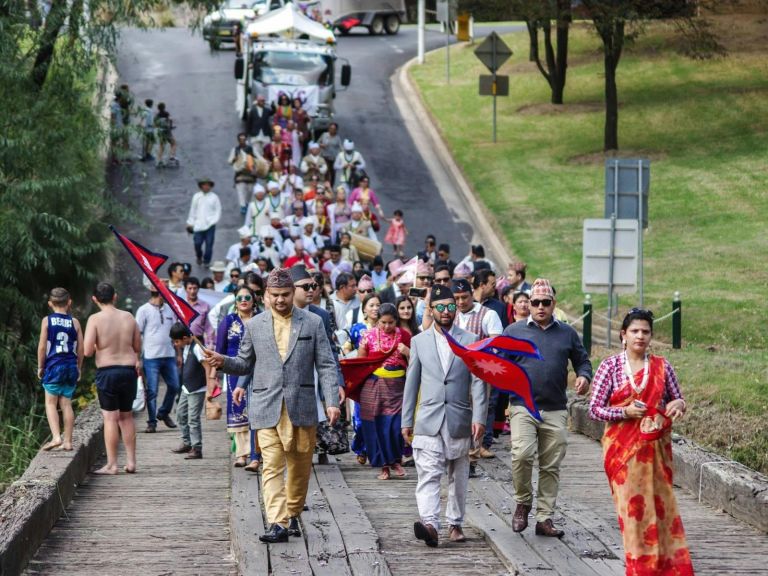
{"x":150,"y":262}
{"x":357,"y":370}
{"x":483,"y":359}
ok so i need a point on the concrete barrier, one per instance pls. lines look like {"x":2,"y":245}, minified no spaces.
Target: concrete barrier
{"x":31,"y":506}
{"x":715,"y":480}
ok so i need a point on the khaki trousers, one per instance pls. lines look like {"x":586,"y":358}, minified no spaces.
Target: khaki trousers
{"x":291,"y":447}
{"x":550,"y":439}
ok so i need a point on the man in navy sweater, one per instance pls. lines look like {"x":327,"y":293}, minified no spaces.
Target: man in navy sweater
{"x":558,"y":343}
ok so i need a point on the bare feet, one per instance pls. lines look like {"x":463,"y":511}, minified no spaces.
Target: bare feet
{"x":130,"y":469}
{"x":62,"y":447}
{"x":106,"y":470}
{"x":384,"y":474}
{"x":54,"y":443}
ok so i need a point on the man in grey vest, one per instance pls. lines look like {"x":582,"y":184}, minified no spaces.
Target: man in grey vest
{"x":452,"y":407}
{"x":282,"y":348}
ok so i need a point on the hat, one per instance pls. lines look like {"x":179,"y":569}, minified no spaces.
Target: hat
{"x":542,"y":288}
{"x":187,"y":267}
{"x":313,"y":144}
{"x":308,"y":221}
{"x":462,"y":271}
{"x":440,"y":292}
{"x":408,"y":278}
{"x":218,"y":266}
{"x":299,"y":273}
{"x":357,"y":208}
{"x":365,"y":282}
{"x":518,"y":266}
{"x":349,"y":145}
{"x":201,"y":181}
{"x":272,"y":185}
{"x":279,"y":278}
{"x":461,"y":285}
{"x":395,"y":267}
{"x":244,"y":231}
{"x":267,"y":232}
{"x":259,"y":189}
{"x":423,"y":269}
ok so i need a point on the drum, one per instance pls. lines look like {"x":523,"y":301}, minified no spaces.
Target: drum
{"x":367,"y":249}
{"x":261,"y":167}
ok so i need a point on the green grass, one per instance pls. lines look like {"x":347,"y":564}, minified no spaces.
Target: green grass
{"x":705,"y":127}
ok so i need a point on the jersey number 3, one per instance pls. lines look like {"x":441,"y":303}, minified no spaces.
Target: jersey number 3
{"x":62,"y":343}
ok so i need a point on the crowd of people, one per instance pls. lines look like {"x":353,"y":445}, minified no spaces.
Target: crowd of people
{"x":303,"y":292}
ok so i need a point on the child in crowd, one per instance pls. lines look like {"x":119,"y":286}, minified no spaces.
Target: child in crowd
{"x":59,"y":364}
{"x":194,"y":385}
{"x":396,"y":233}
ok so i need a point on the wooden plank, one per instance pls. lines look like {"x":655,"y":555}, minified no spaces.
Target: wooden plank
{"x":247,"y":524}
{"x":327,"y":554}
{"x":361,"y":541}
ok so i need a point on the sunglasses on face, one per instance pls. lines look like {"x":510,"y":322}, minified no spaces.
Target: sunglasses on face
{"x":366,"y":291}
{"x":426,"y":278}
{"x":442,"y":280}
{"x":244,"y":298}
{"x":234,"y":276}
{"x":443,"y":307}
{"x":546,"y":303}
{"x":308,"y":287}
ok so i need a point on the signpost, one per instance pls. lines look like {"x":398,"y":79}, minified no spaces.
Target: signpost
{"x":445,"y":10}
{"x":610,"y":257}
{"x":493,"y":52}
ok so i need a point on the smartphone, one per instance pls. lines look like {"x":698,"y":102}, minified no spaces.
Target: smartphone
{"x":639,"y":403}
{"x":417,"y":292}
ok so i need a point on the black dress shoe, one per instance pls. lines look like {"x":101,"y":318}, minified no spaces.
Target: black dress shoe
{"x":293,"y":527}
{"x":167,"y":420}
{"x":425,"y":532}
{"x":194,"y":454}
{"x":182,"y":449}
{"x":275,"y":534}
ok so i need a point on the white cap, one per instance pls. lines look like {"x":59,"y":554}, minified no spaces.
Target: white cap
{"x":313,"y":144}
{"x":356,"y":207}
{"x":244,"y":231}
{"x":307,"y":220}
{"x":258,"y":188}
{"x":349,"y":145}
{"x":267,"y":232}
{"x":272,"y":185}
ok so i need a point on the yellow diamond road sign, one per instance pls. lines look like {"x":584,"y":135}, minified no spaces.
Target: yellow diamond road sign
{"x":493,"y":52}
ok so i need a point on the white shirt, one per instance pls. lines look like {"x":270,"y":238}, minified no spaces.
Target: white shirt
{"x":443,"y":349}
{"x":233,"y":252}
{"x":219,"y":286}
{"x":205,"y":211}
{"x":491,"y":323}
{"x":200,"y":358}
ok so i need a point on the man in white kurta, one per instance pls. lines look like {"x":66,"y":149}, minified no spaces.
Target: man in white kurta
{"x":445,"y":420}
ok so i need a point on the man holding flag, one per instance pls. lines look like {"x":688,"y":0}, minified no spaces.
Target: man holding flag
{"x":558,"y":343}
{"x":440,"y":386}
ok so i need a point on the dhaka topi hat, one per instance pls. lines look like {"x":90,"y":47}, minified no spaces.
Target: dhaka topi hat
{"x":407,"y":278}
{"x":279,"y":278}
{"x":365,"y":282}
{"x":440,"y":292}
{"x":299,"y":273}
{"x":395,"y":267}
{"x":542,"y":288}
{"x":460,"y":285}
{"x":423,"y":269}
{"x":462,"y":271}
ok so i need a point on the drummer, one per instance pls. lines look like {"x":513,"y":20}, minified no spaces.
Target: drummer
{"x":357,"y":225}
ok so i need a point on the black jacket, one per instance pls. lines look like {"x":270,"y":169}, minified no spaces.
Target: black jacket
{"x":258,"y":123}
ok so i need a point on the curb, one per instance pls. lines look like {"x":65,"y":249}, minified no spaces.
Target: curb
{"x":726,"y":485}
{"x":721,"y":483}
{"x":30,"y":506}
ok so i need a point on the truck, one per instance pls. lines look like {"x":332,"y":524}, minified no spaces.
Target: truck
{"x":378,"y":16}
{"x":224,"y":24}
{"x":285,"y":52}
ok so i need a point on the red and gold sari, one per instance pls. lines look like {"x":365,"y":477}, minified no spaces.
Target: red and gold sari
{"x":639,"y":469}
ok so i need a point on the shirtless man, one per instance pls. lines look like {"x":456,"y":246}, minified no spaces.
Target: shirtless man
{"x":113,"y":336}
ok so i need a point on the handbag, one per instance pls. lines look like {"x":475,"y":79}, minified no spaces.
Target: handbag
{"x":139,"y":401}
{"x":332,"y":440}
{"x":212,"y":410}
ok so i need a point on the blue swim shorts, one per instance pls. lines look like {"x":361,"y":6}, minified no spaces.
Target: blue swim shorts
{"x":61,"y":380}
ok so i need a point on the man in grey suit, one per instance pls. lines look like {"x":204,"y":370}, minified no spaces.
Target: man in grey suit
{"x":282,"y":348}
{"x":452,"y":411}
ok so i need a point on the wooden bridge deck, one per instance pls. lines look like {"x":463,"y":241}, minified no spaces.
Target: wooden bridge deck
{"x":178,"y":517}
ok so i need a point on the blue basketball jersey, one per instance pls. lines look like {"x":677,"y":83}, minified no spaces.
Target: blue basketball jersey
{"x":62,"y":341}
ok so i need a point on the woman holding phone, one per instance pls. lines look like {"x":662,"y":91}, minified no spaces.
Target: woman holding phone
{"x":639,"y":397}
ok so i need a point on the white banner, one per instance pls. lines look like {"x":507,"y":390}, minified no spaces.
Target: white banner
{"x":308,"y":95}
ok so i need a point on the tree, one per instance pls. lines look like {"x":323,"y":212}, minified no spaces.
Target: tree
{"x":539,"y":16}
{"x":620,"y":21}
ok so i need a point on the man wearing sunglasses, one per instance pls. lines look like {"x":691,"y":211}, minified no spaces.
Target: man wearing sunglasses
{"x":438,"y":386}
{"x":558,"y":344}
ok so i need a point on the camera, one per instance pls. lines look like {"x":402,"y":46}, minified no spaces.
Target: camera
{"x":417,"y":292}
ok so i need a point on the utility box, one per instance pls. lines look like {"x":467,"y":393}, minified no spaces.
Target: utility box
{"x":462,"y":28}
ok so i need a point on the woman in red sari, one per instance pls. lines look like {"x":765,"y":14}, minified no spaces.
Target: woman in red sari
{"x":638,"y":395}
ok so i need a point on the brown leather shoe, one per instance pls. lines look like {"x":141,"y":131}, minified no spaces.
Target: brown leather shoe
{"x":425,"y":532}
{"x":547,"y":528}
{"x":485,"y":453}
{"x":194,"y":454}
{"x":520,"y":519}
{"x":182,"y":449}
{"x":456,"y":534}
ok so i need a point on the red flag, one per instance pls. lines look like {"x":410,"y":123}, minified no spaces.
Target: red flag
{"x":357,"y":370}
{"x":498,"y":371}
{"x":150,"y":262}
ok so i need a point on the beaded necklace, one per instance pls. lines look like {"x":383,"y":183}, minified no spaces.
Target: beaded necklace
{"x":628,"y":374}
{"x":378,"y":341}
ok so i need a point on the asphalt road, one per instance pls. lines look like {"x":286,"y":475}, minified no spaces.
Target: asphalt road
{"x":175,"y":66}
